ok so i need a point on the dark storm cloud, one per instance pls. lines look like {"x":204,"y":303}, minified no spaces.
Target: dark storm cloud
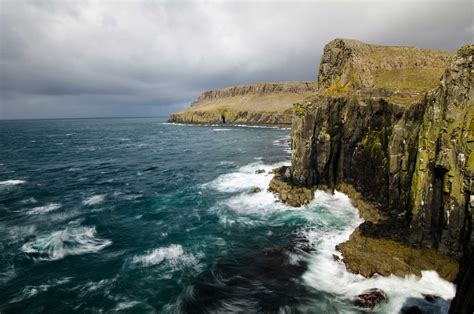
{"x":124,"y":58}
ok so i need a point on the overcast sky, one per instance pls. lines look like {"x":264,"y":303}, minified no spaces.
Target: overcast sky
{"x":150,"y":58}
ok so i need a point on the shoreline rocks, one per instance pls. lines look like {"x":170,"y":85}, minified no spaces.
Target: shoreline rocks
{"x":370,"y":298}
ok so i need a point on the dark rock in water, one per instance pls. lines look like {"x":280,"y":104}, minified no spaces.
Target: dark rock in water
{"x":370,"y":298}
{"x":259,"y":171}
{"x":256,"y":190}
{"x":412,"y":310}
{"x":336,"y":258}
{"x":431,"y":297}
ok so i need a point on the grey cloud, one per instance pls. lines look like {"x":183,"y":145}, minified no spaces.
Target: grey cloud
{"x":101,"y":58}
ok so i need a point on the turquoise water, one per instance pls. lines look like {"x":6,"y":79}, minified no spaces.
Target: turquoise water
{"x":137,"y":215}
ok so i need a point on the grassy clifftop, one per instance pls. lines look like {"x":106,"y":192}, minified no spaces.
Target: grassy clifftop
{"x":349,"y":65}
{"x":260,"y":103}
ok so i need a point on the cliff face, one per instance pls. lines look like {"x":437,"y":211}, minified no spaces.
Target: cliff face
{"x":406,"y":152}
{"x":413,"y":160}
{"x":261,"y":103}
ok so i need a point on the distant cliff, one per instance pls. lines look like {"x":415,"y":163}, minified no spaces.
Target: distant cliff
{"x":255,"y":104}
{"x":393,"y":127}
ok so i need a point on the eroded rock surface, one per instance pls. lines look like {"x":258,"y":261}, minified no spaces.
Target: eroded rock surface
{"x":405,"y":150}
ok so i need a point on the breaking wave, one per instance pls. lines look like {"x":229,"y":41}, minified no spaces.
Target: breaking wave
{"x":44,"y":209}
{"x":174,"y":255}
{"x":94,"y":200}
{"x":12,"y":182}
{"x":69,"y":241}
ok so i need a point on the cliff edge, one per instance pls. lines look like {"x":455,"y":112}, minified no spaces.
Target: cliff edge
{"x":253,"y":104}
{"x":402,"y":149}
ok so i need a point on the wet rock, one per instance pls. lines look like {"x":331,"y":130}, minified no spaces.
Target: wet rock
{"x":430,"y":297}
{"x":370,"y":298}
{"x":256,"y":190}
{"x":336,"y":258}
{"x":259,"y":171}
{"x":293,"y":195}
{"x":411,"y":310}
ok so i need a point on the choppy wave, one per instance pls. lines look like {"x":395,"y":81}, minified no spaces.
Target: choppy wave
{"x":94,"y":200}
{"x":31,"y":291}
{"x":7,"y":272}
{"x":69,"y":241}
{"x":12,"y":182}
{"x":29,"y":200}
{"x":44,"y":209}
{"x":174,"y":255}
{"x":284,"y":142}
{"x":126,"y":305}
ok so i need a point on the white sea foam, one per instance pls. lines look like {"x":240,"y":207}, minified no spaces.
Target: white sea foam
{"x":174,"y":255}
{"x":244,"y":179}
{"x":61,"y":243}
{"x":94,"y":200}
{"x":222,"y":129}
{"x":227,"y":163}
{"x":242,"y":182}
{"x":325,"y":274}
{"x":126,"y":305}
{"x":12,"y":182}
{"x":330,"y":219}
{"x":44,"y":209}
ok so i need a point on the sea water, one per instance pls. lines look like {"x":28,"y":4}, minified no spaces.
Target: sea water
{"x":138,"y":215}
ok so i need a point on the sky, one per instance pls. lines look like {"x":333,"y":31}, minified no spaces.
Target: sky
{"x":71,"y":59}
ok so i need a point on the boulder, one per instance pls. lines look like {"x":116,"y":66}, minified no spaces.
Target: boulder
{"x":370,"y":298}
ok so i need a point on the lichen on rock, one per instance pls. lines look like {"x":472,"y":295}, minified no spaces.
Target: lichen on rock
{"x":404,"y":151}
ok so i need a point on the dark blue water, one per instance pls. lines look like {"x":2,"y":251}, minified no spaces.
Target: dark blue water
{"x":138,"y":215}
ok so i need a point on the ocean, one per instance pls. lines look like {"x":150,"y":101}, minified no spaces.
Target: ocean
{"x":143,"y":216}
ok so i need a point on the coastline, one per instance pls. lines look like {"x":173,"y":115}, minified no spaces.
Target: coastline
{"x":250,"y":125}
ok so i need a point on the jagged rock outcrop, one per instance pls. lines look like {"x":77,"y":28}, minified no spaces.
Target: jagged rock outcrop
{"x":404,"y":148}
{"x":257,"y":104}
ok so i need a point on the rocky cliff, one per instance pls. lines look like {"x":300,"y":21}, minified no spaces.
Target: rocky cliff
{"x":400,"y":143}
{"x":257,"y":104}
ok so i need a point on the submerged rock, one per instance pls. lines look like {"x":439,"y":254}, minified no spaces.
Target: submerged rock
{"x":259,"y":171}
{"x":370,"y":298}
